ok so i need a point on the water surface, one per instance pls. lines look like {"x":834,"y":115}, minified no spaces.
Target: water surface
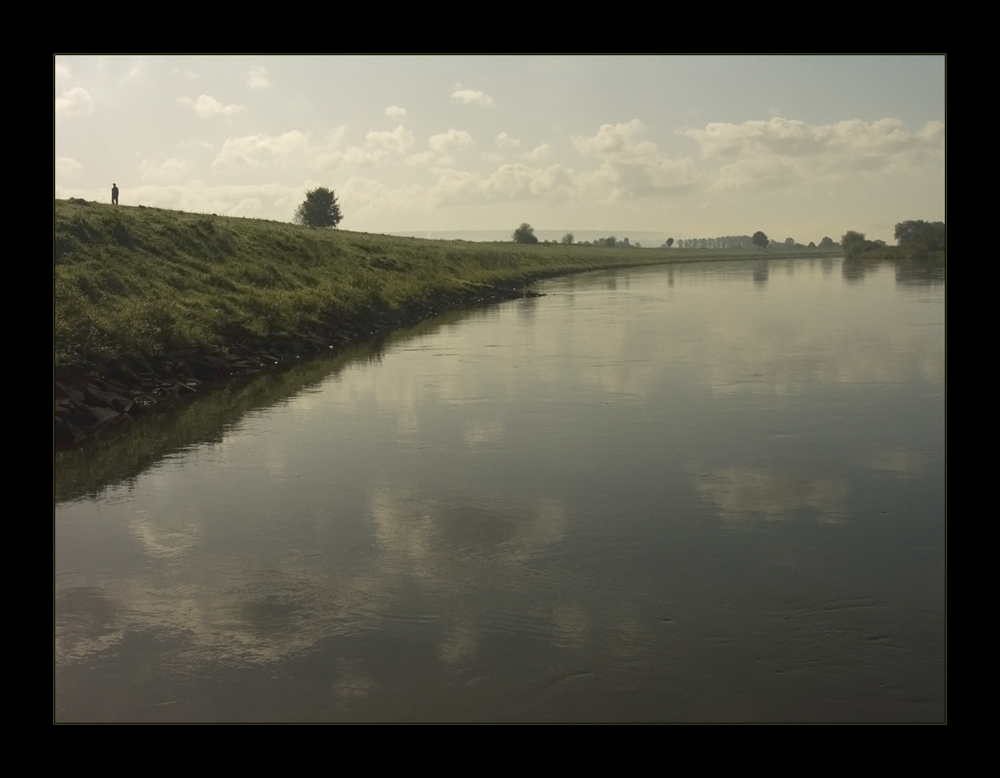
{"x":705,"y":492}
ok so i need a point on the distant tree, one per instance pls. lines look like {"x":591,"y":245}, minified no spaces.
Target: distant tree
{"x":319,"y":209}
{"x":789,"y":242}
{"x":826,"y":243}
{"x":525,"y":234}
{"x":854,"y":243}
{"x":670,"y":242}
{"x":926,"y":236}
{"x":760,"y":240}
{"x":568,"y":239}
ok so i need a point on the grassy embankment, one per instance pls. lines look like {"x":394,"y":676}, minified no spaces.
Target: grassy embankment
{"x":143,"y":282}
{"x":150,"y":304}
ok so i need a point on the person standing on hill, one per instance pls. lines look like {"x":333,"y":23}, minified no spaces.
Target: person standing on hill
{"x":114,"y":194}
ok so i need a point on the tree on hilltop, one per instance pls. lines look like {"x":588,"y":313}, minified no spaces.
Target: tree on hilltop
{"x":760,"y":240}
{"x":319,"y":209}
{"x":525,"y":234}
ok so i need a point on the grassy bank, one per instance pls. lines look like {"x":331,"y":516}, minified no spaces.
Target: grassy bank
{"x":144,"y":281}
{"x":151,"y":306}
{"x":902,"y":254}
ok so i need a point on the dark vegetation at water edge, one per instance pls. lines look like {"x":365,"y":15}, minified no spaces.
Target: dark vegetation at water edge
{"x":914,"y":240}
{"x":151,"y":305}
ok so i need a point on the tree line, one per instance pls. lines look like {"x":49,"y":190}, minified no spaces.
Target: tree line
{"x":920,"y":236}
{"x":526,"y":234}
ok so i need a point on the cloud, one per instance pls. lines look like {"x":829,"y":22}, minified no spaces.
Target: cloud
{"x":75,"y":102}
{"x":508,"y":182}
{"x":631,"y":168}
{"x":537,"y":154}
{"x":248,"y":206}
{"x":355,"y":156}
{"x":379,"y":149}
{"x":423,"y":158}
{"x":616,"y":140}
{"x":364,"y":196}
{"x":397,"y":141}
{"x":207,"y":107}
{"x":467,"y":96}
{"x":253,"y":150}
{"x":169,"y":171}
{"x":459,"y":187}
{"x":782,"y":152}
{"x":62,"y":71}
{"x":67,"y":166}
{"x":257,"y":78}
{"x":505,"y":141}
{"x":395,"y":112}
{"x":448,"y":142}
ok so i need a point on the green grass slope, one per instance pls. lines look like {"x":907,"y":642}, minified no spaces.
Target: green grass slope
{"x":135,"y":281}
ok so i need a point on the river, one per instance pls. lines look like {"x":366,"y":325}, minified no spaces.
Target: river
{"x":702,"y":492}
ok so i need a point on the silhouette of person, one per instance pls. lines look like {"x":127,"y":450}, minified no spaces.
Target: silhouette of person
{"x":114,"y":194}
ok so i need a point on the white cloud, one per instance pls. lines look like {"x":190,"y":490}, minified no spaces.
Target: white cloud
{"x":781,"y":152}
{"x":254,"y":150}
{"x":364,"y":196}
{"x":67,"y":166}
{"x":395,"y":112}
{"x":459,"y":187}
{"x":248,"y":206}
{"x":62,"y":71}
{"x":508,"y":182}
{"x":292,"y":147}
{"x":505,"y":141}
{"x":75,"y":102}
{"x":257,"y":78}
{"x":631,"y":168}
{"x":379,"y":149}
{"x":207,"y":107}
{"x":397,"y":141}
{"x":539,"y":153}
{"x":423,"y":158}
{"x":468,"y":96}
{"x":448,"y":142}
{"x":355,"y":156}
{"x":168,"y":172}
{"x":616,"y":140}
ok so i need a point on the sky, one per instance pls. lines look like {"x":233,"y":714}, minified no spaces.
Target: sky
{"x":652,"y":146}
